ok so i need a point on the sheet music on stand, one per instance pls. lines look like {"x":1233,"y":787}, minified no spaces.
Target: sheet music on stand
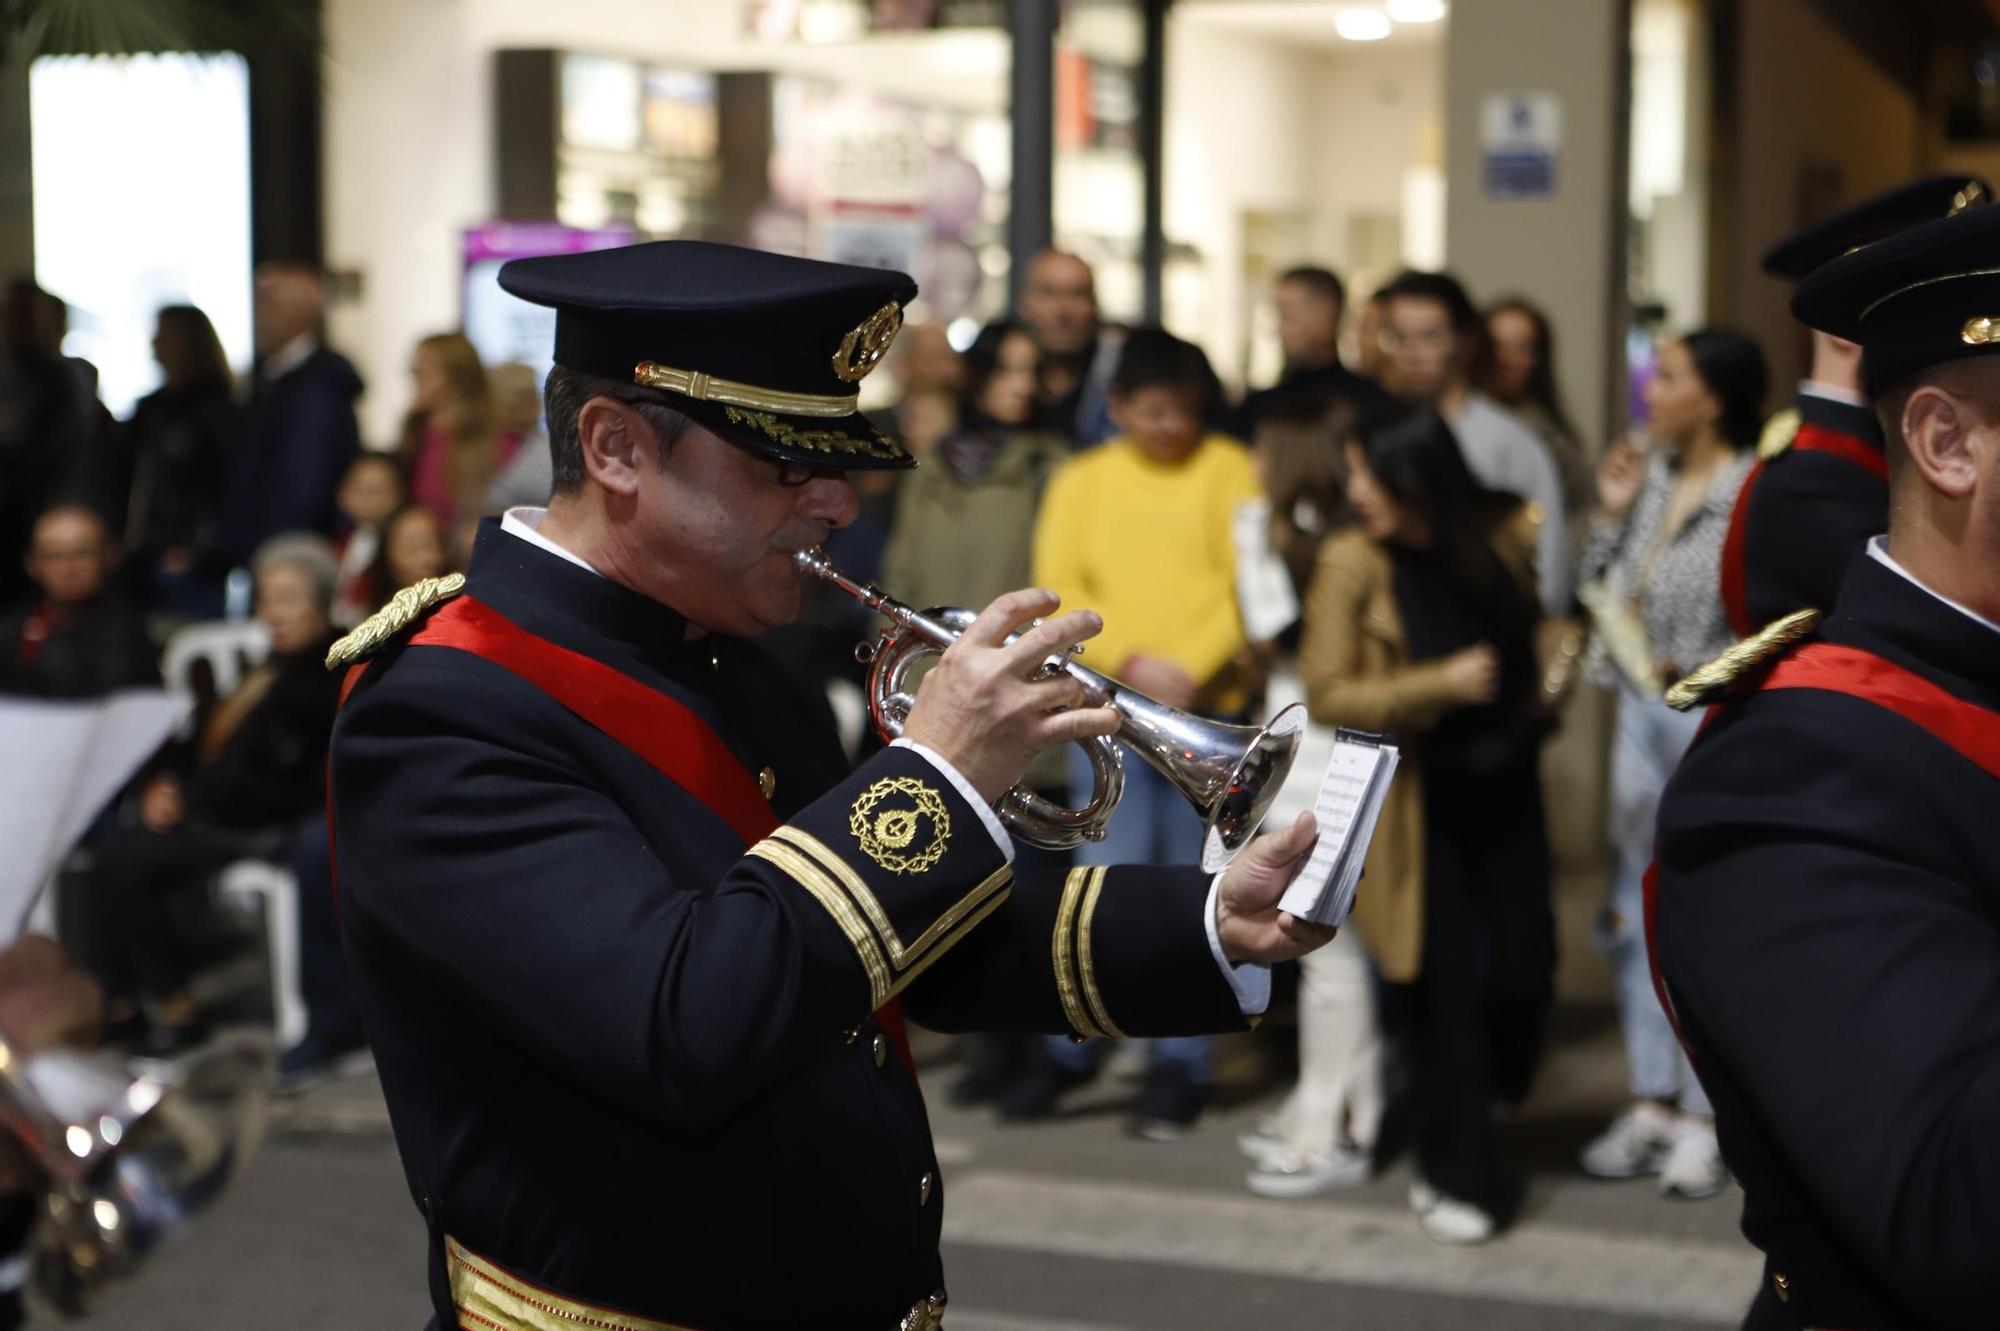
{"x":1350,"y":801}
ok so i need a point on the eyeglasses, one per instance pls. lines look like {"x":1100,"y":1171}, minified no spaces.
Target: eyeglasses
{"x":791,"y":475}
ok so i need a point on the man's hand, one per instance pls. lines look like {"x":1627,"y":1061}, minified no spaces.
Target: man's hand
{"x":1247,"y":919}
{"x":983,"y":709}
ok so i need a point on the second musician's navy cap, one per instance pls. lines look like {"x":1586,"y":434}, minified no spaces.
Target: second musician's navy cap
{"x":1874,"y":219}
{"x":1919,"y":298}
{"x":766,"y":350}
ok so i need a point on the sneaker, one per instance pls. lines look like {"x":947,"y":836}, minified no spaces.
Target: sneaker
{"x":1447,"y":1219}
{"x":1169,"y":1106}
{"x":1693,"y":1167}
{"x":1263,"y":1144}
{"x":1034,"y":1093}
{"x":1636,"y":1142}
{"x":1289,"y":1177}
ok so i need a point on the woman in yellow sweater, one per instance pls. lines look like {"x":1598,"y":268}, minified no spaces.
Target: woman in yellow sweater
{"x":1139,"y":529}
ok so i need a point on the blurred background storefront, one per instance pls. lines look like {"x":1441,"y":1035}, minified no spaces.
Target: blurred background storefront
{"x":1626,"y":160}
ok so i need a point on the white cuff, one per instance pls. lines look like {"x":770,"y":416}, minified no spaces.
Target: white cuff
{"x":1251,"y":981}
{"x":972,"y":797}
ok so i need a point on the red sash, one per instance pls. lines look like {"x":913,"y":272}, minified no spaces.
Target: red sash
{"x":666,"y":733}
{"x":1819,"y":439}
{"x":1969,"y":729}
{"x":1734,"y":593}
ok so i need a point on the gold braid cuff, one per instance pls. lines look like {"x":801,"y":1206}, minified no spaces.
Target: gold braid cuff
{"x":708,"y":388}
{"x":1709,"y":683}
{"x":1063,"y":953}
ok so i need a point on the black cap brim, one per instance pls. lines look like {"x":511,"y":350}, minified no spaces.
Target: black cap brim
{"x":1920,"y":298}
{"x":1871,"y":220}
{"x":845,"y":443}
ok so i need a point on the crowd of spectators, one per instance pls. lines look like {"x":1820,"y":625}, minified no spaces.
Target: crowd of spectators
{"x":116,"y":534}
{"x":1384,"y":536}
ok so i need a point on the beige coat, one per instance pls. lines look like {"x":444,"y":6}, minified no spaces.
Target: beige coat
{"x":1355,"y":665}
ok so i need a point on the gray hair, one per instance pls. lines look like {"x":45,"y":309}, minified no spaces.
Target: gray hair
{"x":563,"y":396}
{"x":311,"y":555}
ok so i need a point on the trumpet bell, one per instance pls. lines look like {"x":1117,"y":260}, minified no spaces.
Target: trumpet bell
{"x":1238,"y":804}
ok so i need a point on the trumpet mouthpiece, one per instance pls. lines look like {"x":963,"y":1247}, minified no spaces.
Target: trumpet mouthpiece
{"x":812,"y":560}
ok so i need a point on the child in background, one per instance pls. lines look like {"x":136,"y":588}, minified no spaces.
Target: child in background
{"x":371,"y":490}
{"x":1139,"y":529}
{"x":1323,"y":1135}
{"x":414,"y":547}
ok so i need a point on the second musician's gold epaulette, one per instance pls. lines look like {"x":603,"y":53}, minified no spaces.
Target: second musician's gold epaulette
{"x":1747,"y":659}
{"x":1778,"y":433}
{"x":405,"y":608}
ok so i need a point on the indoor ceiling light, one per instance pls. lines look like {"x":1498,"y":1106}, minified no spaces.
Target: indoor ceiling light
{"x":1416,"y":11}
{"x":1361,"y":25}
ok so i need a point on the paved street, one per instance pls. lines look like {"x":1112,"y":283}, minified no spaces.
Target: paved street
{"x":1068,"y":1226}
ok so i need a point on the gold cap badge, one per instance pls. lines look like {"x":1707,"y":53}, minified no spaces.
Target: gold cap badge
{"x":863,"y":349}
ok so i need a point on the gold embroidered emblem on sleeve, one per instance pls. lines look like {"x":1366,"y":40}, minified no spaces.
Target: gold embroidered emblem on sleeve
{"x":886,"y":830}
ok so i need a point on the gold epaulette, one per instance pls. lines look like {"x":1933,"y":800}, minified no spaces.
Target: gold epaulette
{"x":1710,"y":683}
{"x":1778,"y":433}
{"x":405,"y":608}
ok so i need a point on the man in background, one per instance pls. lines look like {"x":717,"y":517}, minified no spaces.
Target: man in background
{"x":1059,"y":305}
{"x":1430,"y":331}
{"x":1310,"y":304}
{"x":299,"y":431}
{"x":76,"y":637}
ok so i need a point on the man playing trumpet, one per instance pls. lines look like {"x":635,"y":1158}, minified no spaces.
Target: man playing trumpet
{"x":637,"y":1011}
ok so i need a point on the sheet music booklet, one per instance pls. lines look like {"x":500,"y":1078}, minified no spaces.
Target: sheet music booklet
{"x":1350,"y":801}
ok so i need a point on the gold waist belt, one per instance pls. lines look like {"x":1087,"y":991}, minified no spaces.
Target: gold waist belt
{"x":490,"y":1299}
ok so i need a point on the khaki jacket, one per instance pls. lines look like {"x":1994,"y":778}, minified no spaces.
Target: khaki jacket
{"x":1354,"y":663}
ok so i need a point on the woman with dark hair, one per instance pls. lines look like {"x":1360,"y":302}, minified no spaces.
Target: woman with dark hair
{"x":1421,"y":623}
{"x":1651,"y":580}
{"x":963,"y":533}
{"x":173,"y":453}
{"x":1516,"y":368}
{"x":414,"y":546}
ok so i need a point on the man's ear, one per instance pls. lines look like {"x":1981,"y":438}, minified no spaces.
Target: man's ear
{"x":1938,"y":427}
{"x":609,"y":440}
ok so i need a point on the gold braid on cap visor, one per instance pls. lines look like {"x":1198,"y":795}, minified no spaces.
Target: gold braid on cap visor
{"x":708,"y":388}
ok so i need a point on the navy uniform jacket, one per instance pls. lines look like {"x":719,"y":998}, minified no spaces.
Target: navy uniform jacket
{"x":1808,"y":513}
{"x":633,"y":1065}
{"x":1829,"y":928}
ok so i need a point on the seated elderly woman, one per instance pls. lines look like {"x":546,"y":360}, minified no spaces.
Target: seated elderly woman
{"x":248,"y":784}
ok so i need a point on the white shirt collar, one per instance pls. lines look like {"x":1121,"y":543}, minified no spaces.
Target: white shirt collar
{"x":525,"y":523}
{"x":1878,"y":550}
{"x":1834,"y":393}
{"x":290,"y":356}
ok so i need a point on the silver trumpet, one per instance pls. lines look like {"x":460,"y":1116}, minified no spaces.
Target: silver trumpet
{"x":1229,"y":773}
{"x":124,"y":1163}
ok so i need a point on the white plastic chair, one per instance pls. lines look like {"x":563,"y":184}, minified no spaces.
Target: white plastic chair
{"x":232,"y":648}
{"x":278,"y":893}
